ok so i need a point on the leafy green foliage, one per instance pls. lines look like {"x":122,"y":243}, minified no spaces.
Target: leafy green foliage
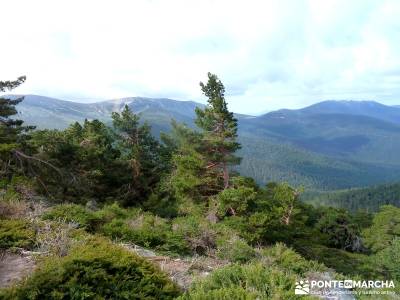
{"x":385,"y":227}
{"x":223,"y":293}
{"x":190,"y":177}
{"x":236,"y":250}
{"x":388,"y":260}
{"x":74,"y":213}
{"x":140,"y":150}
{"x":146,"y":230}
{"x":286,"y":258}
{"x":254,"y":279}
{"x":235,"y":201}
{"x":274,"y":215}
{"x":272,"y":276}
{"x":95,"y":269}
{"x":87,"y":163}
{"x":219,"y":129}
{"x":16,"y":233}
{"x":349,"y":263}
{"x":13,"y":135}
{"x":92,"y":162}
{"x":341,"y":232}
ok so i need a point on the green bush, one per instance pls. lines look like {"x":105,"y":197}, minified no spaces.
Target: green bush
{"x":388,"y":260}
{"x":197,"y":232}
{"x":148,"y":231}
{"x":385,"y":227}
{"x":271,"y":275}
{"x":285,"y":258}
{"x":74,"y":213}
{"x":95,"y":269}
{"x":252,"y":281}
{"x":231,"y":293}
{"x":145,"y":230}
{"x":342,"y":261}
{"x":235,"y":201}
{"x":16,"y":233}
{"x":114,"y":211}
{"x":236,"y":250}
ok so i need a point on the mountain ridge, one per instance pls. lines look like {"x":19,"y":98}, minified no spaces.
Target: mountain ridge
{"x":352,"y":107}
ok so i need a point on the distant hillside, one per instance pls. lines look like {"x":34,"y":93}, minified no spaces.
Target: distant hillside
{"x":357,"y":137}
{"x":329,"y":145}
{"x":268,"y":160}
{"x":47,"y":112}
{"x":363,"y":108}
{"x":369,"y":199}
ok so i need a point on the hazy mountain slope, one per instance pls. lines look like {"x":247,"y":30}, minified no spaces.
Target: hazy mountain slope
{"x":269,"y":160}
{"x":362,"y":108}
{"x":47,"y":112}
{"x":370,"y":198}
{"x":347,"y":136}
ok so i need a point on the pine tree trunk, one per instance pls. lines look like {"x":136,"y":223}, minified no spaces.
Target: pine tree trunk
{"x":226,"y":176}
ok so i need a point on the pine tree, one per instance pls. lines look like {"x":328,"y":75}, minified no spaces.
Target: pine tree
{"x":12,"y":132}
{"x":219,"y":129}
{"x":189,"y":179}
{"x":140,"y":149}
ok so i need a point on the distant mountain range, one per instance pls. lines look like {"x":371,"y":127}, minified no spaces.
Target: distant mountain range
{"x":47,"y":112}
{"x":328,"y":145}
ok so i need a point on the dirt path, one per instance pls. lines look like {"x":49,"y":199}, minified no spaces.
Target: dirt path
{"x":181,"y":270}
{"x":14,"y":267}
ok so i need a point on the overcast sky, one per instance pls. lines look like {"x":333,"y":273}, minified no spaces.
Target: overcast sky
{"x":269,"y":54}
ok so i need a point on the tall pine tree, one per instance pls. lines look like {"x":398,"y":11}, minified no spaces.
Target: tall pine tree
{"x":219,"y":127}
{"x":140,"y":150}
{"x":12,"y":132}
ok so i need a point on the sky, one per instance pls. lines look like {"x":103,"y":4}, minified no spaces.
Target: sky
{"x":268,"y":54}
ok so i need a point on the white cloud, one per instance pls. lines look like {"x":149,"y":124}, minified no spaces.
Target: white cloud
{"x":269,"y":54}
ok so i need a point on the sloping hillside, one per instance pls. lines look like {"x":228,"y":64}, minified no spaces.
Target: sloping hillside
{"x":369,"y":198}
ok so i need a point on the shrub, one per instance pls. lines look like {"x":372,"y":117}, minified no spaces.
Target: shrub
{"x":197,"y":232}
{"x":388,"y":260}
{"x":96,"y":269}
{"x":148,"y":231}
{"x":235,"y":201}
{"x":143,"y":230}
{"x":341,"y":233}
{"x":74,"y":213}
{"x":13,"y":208}
{"x":254,"y":229}
{"x":236,"y":281}
{"x":113,"y":211}
{"x":345,"y":262}
{"x":236,"y":250}
{"x":56,"y":238}
{"x":16,"y":233}
{"x":231,"y":293}
{"x":385,"y":227}
{"x":288,"y":259}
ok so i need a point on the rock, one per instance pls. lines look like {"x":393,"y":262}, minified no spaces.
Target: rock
{"x":92,"y":205}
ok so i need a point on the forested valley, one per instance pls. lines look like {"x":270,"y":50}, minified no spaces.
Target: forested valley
{"x":108,"y":211}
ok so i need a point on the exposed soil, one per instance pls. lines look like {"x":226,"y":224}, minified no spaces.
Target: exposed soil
{"x":14,"y":267}
{"x":181,"y":270}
